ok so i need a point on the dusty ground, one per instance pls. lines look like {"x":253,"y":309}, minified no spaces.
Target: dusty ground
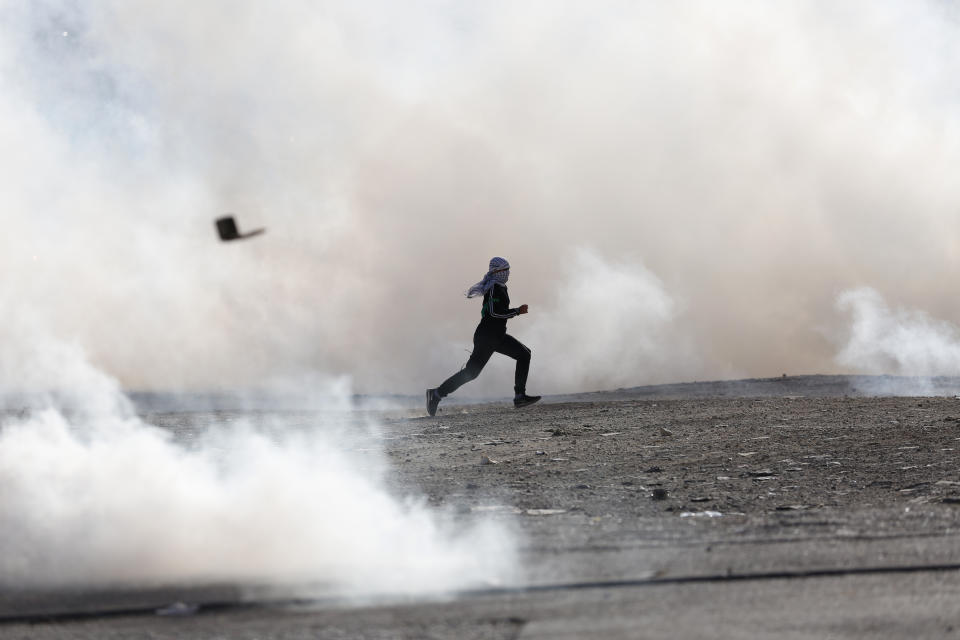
{"x":795,"y":507}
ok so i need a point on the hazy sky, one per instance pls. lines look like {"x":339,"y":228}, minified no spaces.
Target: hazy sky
{"x":685,"y":190}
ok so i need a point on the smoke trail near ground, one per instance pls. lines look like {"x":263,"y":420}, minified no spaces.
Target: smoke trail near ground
{"x":98,"y":497}
{"x":906,"y":342}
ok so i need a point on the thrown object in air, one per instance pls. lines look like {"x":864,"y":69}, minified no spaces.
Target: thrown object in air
{"x":227,"y":228}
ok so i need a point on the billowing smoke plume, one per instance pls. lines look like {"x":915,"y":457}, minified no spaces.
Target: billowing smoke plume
{"x":755,"y":158}
{"x":608,"y":322}
{"x":94,"y":496}
{"x":906,"y":342}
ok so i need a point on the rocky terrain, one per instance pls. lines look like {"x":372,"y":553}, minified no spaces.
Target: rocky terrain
{"x":675,"y":510}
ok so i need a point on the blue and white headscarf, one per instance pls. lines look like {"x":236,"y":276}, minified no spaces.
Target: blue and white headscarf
{"x":499,"y":272}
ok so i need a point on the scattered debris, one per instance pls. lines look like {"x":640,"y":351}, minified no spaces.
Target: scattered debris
{"x":178,"y":609}
{"x":665,"y":432}
{"x":487,"y":460}
{"x":659,"y":494}
{"x":612,"y":433}
{"x":545,"y":512}
{"x":654,"y":470}
{"x":700,"y":514}
{"x":540,"y":453}
{"x":495,"y":508}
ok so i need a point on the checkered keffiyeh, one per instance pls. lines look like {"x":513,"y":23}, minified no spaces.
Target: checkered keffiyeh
{"x":499,"y":272}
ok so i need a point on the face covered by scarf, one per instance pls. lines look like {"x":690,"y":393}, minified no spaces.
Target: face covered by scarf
{"x":499,"y":272}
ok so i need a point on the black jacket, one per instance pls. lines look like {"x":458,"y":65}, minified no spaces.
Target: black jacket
{"x":496,"y":310}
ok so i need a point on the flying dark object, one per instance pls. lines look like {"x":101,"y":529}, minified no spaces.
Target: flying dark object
{"x":227,"y":228}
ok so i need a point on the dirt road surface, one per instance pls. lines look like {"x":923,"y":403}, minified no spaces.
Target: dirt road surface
{"x":788,"y":508}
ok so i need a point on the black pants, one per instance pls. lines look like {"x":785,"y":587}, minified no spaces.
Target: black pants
{"x":485,"y":344}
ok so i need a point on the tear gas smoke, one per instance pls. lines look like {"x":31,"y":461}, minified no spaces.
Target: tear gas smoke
{"x":100,"y":498}
{"x":681,"y":188}
{"x":755,"y":158}
{"x":904,"y":342}
{"x":614,"y":322}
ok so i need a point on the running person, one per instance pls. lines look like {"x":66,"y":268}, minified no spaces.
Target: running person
{"x":491,"y":337}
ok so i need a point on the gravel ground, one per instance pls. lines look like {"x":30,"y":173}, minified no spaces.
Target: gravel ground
{"x":639,"y":512}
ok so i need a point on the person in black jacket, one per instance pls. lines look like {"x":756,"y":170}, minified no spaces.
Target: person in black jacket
{"x":491,"y":337}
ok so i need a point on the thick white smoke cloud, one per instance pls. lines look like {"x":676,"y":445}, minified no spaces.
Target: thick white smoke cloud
{"x":906,"y":342}
{"x":94,"y":496}
{"x":611,"y":323}
{"x":126,"y":132}
{"x":758,"y":156}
